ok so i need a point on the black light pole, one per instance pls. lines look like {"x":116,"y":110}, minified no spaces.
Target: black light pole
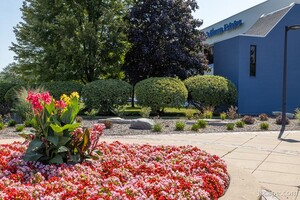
{"x":283,"y":114}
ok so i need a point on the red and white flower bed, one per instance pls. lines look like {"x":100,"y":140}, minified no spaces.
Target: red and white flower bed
{"x":122,"y":172}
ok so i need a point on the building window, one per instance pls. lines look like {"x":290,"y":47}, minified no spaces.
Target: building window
{"x":209,"y":54}
{"x":252,"y":60}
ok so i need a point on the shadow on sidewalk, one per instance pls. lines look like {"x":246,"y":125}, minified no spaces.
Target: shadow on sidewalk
{"x":286,"y":140}
{"x":289,"y":140}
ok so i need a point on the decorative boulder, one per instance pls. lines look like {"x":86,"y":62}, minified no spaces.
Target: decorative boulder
{"x":142,"y":124}
{"x":116,"y":120}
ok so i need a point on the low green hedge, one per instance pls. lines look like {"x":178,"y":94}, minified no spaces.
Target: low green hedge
{"x":106,"y":94}
{"x":57,"y":88}
{"x":4,"y":87}
{"x":161,"y":92}
{"x":211,"y":90}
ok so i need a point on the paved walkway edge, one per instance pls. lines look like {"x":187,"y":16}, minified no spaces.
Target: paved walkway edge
{"x":243,"y":185}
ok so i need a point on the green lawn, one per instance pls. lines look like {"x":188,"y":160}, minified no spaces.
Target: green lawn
{"x":168,"y":112}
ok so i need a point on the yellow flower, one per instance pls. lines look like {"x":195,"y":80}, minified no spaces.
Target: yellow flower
{"x":65,"y":98}
{"x":74,"y":94}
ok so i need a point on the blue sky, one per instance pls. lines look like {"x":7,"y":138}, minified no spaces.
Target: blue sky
{"x":210,"y":11}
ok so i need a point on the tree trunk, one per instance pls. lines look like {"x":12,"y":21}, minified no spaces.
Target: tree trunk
{"x":132,"y":96}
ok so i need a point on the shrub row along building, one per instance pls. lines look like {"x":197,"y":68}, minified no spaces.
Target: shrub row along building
{"x":248,"y":49}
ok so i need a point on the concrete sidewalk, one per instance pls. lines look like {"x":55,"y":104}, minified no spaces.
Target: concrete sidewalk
{"x":274,"y":163}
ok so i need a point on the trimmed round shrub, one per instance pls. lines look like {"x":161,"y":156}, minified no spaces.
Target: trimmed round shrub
{"x":105,"y":94}
{"x":4,"y":87}
{"x":211,"y":90}
{"x":159,"y":93}
{"x":57,"y":88}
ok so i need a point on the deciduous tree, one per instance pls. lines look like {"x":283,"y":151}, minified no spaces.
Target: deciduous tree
{"x":166,"y":40}
{"x":70,"y":39}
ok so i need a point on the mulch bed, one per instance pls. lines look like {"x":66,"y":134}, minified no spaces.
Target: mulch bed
{"x":168,"y":127}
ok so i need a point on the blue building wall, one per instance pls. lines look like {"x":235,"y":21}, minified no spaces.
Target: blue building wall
{"x":263,"y":93}
{"x":226,"y":58}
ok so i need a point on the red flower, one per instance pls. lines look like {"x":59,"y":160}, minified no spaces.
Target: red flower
{"x":60,"y":104}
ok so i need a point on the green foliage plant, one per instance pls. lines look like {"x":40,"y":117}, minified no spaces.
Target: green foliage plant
{"x":179,"y":126}
{"x":208,"y":112}
{"x":195,"y":127}
{"x":11,"y":123}
{"x":202,"y":123}
{"x":20,"y":127}
{"x":209,"y":90}
{"x":28,"y":123}
{"x":240,"y":124}
{"x":264,"y":126}
{"x":145,"y":112}
{"x":297,"y":114}
{"x":159,"y":93}
{"x":118,"y":110}
{"x":189,"y":114}
{"x":106,"y":94}
{"x":157,"y":127}
{"x":230,"y":126}
{"x":57,"y":138}
{"x":223,"y":116}
{"x":2,"y":126}
{"x":91,"y":113}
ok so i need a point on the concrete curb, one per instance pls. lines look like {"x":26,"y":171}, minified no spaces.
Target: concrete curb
{"x":243,"y":185}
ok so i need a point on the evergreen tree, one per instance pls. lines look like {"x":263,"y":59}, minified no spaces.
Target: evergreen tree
{"x":70,"y":39}
{"x":166,"y":40}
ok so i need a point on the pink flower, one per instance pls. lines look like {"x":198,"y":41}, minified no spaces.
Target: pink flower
{"x":123,"y":172}
{"x":38,"y":99}
{"x":77,"y":134}
{"x":99,"y":128}
{"x":46,"y":97}
{"x":95,"y":134}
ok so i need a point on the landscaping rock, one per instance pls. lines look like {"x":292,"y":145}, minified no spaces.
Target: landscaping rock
{"x":116,"y":120}
{"x":288,"y":115}
{"x":142,"y":124}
